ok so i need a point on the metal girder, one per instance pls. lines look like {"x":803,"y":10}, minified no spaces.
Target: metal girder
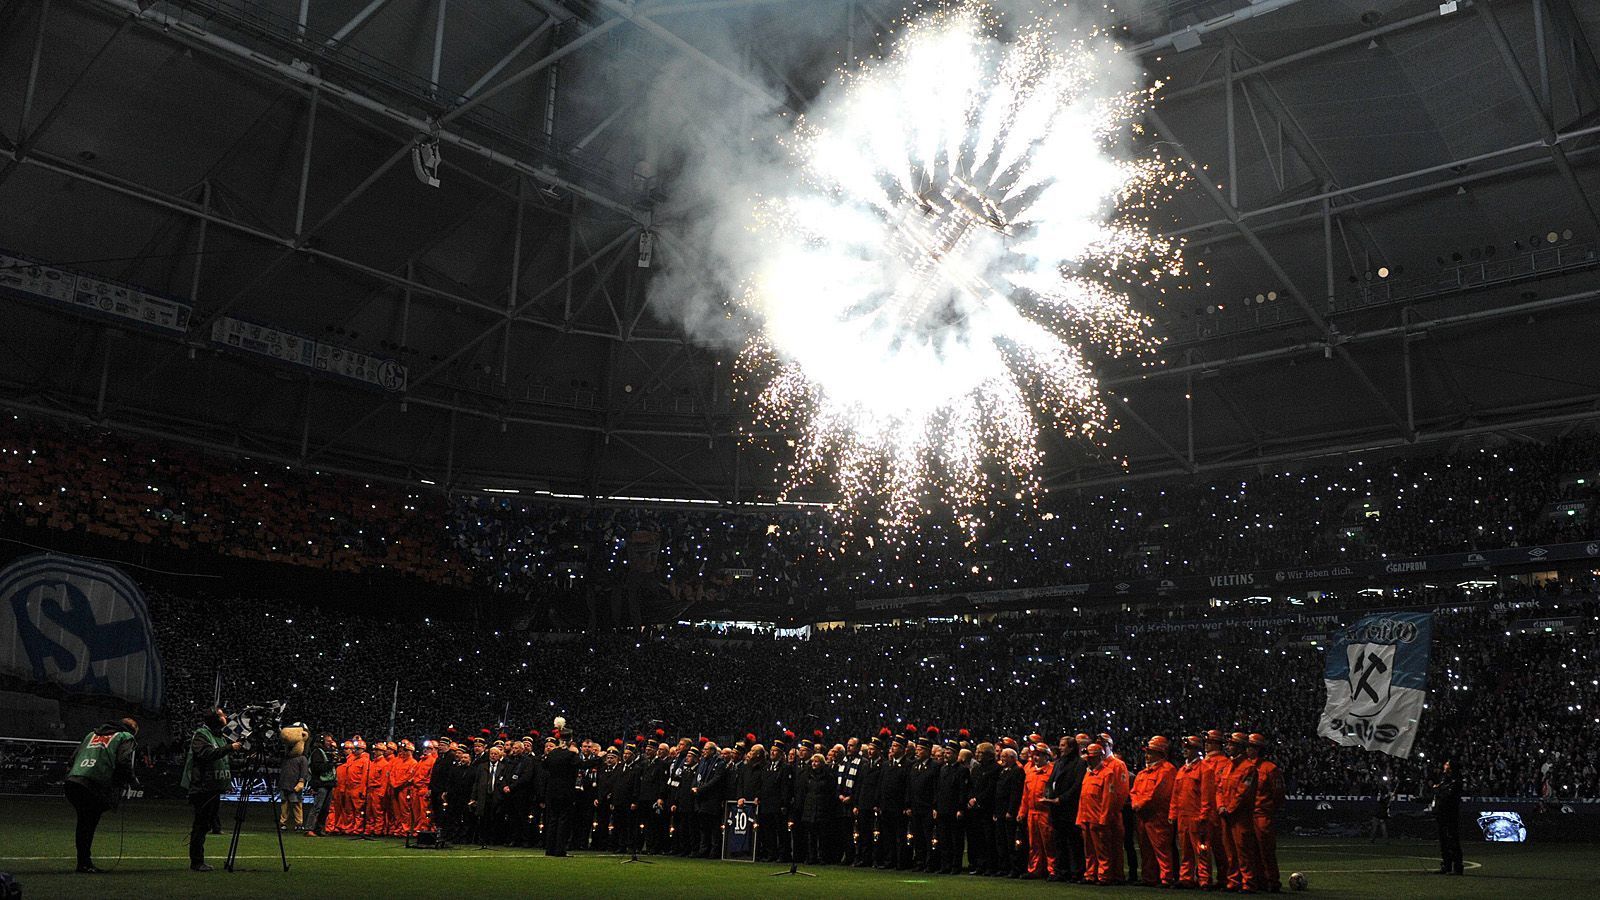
{"x":1361,"y":37}
{"x":1300,"y":298}
{"x":178,"y":204}
{"x":631,"y":14}
{"x":467,"y":347}
{"x":516,"y":51}
{"x":1210,"y":26}
{"x":1530,"y":307}
{"x":1547,"y":131}
{"x":1148,"y":429}
{"x":28,"y":140}
{"x":534,"y":68}
{"x":667,"y":467}
{"x":193,"y":35}
{"x":1347,"y":192}
{"x":355,"y":22}
{"x":1315,"y":449}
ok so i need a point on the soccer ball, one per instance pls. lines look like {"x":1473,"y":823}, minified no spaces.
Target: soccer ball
{"x":1297,"y":881}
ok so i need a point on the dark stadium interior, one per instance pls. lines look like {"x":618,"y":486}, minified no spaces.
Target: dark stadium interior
{"x":487,"y":469}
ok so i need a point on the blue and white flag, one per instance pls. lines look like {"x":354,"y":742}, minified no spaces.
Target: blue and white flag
{"x":80,"y":625}
{"x":1377,"y":679}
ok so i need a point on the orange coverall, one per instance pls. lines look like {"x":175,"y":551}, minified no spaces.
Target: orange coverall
{"x":1194,"y":863}
{"x":1236,"y":801}
{"x":1105,"y":790}
{"x":422,"y":792}
{"x":352,"y":804}
{"x":398,"y":814}
{"x":1212,"y":768}
{"x":378,"y":795}
{"x":1035,"y":814}
{"x":1152,"y":802}
{"x":1269,"y":799}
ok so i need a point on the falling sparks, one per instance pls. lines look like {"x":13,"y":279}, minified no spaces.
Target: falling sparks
{"x":935,"y":284}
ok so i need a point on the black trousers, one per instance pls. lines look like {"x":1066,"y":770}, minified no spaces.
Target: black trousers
{"x":921,"y":836}
{"x":1069,"y":844}
{"x":90,"y":806}
{"x":207,"y":807}
{"x":557,"y":827}
{"x":980,"y":840}
{"x":1450,"y":843}
{"x":865,"y":824}
{"x":1005,"y":845}
{"x":951,"y":832}
{"x":774,"y":834}
{"x":891,"y":838}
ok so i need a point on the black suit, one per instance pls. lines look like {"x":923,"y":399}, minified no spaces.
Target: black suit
{"x":892,"y":824}
{"x":487,"y":800}
{"x":1007,"y":797}
{"x":981,"y":816}
{"x":627,"y":813}
{"x":950,"y":802}
{"x":560,"y":792}
{"x":1066,"y":784}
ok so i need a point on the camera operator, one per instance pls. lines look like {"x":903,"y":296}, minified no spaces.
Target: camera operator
{"x":205,"y":776}
{"x":101,"y":767}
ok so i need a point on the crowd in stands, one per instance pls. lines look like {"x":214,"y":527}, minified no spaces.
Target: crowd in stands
{"x":1518,"y":710}
{"x":55,"y":478}
{"x":93,"y":482}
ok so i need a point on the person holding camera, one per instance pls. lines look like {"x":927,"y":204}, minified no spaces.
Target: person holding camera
{"x":205,"y":776}
{"x":101,"y":768}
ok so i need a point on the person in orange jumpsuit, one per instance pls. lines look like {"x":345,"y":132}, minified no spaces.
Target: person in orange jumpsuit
{"x":422,"y":788}
{"x":402,"y":772}
{"x":352,"y":812}
{"x":1269,"y":799}
{"x":1236,"y":802}
{"x":1105,"y":790}
{"x":1122,"y":862}
{"x":341,"y":772}
{"x":1152,"y":803}
{"x":1212,"y":768}
{"x":1034,"y":813}
{"x":377,"y":821}
{"x":1194,"y":864}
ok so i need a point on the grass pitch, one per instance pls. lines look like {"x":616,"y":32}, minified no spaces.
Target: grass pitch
{"x":36,"y":848}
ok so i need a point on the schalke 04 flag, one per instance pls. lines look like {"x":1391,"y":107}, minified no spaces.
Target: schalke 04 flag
{"x":1377,"y":678}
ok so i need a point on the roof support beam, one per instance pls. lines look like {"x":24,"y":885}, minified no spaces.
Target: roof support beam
{"x":1333,"y":341}
{"x":1360,"y":337}
{"x":532,"y":69}
{"x":668,"y":36}
{"x":1547,"y":132}
{"x":356,"y":21}
{"x":27,"y":141}
{"x":193,"y":35}
{"x":1314,"y":448}
{"x":525,"y":43}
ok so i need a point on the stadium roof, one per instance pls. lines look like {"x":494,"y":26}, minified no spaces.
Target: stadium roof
{"x":1396,"y":227}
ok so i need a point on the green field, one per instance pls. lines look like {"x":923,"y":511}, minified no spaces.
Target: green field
{"x":36,"y":847}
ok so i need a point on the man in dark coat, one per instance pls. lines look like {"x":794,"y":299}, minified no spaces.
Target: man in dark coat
{"x":1447,"y":815}
{"x":893,"y":808}
{"x":1065,"y":786}
{"x":981,"y":810}
{"x":772,"y":792}
{"x":922,"y":788}
{"x":711,"y":786}
{"x":627,"y":821}
{"x":561,"y":767}
{"x":487,"y":799}
{"x":1008,"y":797}
{"x":869,"y":781}
{"x":950,"y":811}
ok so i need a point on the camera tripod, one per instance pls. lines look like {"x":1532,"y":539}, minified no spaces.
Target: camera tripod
{"x":257,"y":766}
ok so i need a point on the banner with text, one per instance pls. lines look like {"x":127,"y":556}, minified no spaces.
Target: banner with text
{"x":1377,"y":680}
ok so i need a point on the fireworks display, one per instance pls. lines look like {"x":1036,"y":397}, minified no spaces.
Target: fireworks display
{"x":933,"y":287}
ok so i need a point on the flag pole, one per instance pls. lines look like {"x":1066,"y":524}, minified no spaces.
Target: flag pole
{"x":394,"y":705}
